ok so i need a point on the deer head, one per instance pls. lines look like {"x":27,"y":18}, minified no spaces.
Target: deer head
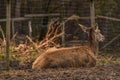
{"x":95,"y":30}
{"x":98,"y":34}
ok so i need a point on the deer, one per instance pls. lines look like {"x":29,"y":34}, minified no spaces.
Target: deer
{"x":79,"y":56}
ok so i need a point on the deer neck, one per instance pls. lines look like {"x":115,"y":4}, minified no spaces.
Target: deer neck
{"x":93,"y":43}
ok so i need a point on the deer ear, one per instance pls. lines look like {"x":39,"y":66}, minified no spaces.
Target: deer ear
{"x":96,"y":26}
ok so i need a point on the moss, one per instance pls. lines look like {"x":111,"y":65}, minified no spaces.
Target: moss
{"x":108,"y":61}
{"x":2,"y":56}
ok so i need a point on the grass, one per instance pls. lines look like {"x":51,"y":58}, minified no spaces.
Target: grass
{"x":109,"y":59}
{"x":27,"y":59}
{"x":18,"y":59}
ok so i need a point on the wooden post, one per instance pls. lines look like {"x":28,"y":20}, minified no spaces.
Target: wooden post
{"x":63,"y":28}
{"x":13,"y":30}
{"x":30,"y":28}
{"x":8,"y":24}
{"x":92,"y":12}
{"x":63,"y":36}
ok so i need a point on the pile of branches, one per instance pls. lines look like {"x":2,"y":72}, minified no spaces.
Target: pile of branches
{"x":53,"y":35}
{"x":51,"y":39}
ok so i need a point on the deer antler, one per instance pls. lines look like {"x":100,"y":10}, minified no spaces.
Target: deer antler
{"x":83,"y":27}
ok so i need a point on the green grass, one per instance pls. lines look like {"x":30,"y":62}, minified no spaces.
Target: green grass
{"x":109,"y":59}
{"x":24,"y":59}
{"x":18,"y":56}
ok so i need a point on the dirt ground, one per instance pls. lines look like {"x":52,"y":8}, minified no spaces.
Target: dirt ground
{"x":106,"y":69}
{"x":101,"y":72}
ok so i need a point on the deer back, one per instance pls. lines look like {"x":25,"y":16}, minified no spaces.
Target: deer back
{"x":66,"y":57}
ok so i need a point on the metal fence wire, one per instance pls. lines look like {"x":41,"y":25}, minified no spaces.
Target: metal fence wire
{"x":38,"y":13}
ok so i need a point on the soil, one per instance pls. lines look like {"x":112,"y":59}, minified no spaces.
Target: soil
{"x":101,"y":72}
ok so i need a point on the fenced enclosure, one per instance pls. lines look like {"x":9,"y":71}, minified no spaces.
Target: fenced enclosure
{"x":31,"y":17}
{"x":45,"y":31}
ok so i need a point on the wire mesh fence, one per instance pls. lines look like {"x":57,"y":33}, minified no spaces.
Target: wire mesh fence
{"x":38,"y":13}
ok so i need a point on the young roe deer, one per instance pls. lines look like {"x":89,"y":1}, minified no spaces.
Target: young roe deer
{"x":81,"y":56}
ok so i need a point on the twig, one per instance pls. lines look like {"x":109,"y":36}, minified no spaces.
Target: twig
{"x":14,"y":36}
{"x":33,"y":43}
{"x":50,"y":40}
{"x":3,"y":35}
{"x":109,"y":18}
{"x":110,"y":42}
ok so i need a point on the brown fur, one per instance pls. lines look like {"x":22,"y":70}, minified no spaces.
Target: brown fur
{"x":66,"y":57}
{"x":82,"y":56}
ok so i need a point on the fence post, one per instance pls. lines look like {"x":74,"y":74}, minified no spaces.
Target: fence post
{"x":30,"y":28}
{"x":63,"y":27}
{"x":8,"y":24}
{"x":92,"y":12}
{"x":13,"y":30}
